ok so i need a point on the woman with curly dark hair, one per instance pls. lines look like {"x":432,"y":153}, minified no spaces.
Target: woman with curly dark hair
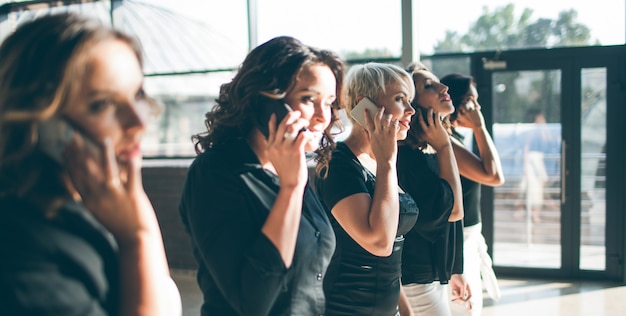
{"x":260,"y":235}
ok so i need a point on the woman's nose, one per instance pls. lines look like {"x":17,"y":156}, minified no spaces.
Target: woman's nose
{"x":134,"y":116}
{"x":409,"y":107}
{"x":319,"y":113}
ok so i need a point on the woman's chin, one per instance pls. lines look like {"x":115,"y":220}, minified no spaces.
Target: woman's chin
{"x":311,"y":146}
{"x":314,"y":143}
{"x":402,"y":134}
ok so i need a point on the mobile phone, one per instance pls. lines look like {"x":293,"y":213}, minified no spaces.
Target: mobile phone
{"x":268,"y":106}
{"x":357,"y":112}
{"x":425,"y":115}
{"x":54,"y":136}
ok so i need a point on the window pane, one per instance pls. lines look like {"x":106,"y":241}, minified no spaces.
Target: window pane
{"x":583,"y":23}
{"x":185,"y":100}
{"x":592,"y":177}
{"x":527,"y":135}
{"x":353,"y":29}
{"x":185,"y":35}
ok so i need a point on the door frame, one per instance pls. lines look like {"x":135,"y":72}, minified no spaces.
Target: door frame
{"x":569,"y":61}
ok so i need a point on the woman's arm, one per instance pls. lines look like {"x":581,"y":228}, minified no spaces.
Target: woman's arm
{"x":117,"y":199}
{"x":373,"y":222}
{"x":485,"y":169}
{"x":437,"y":137}
{"x":448,"y":171}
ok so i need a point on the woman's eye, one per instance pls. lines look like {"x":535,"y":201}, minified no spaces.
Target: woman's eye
{"x":306,"y":99}
{"x":99,"y":105}
{"x":141,"y":95}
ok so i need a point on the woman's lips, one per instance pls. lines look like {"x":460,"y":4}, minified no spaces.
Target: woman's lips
{"x":130,"y":151}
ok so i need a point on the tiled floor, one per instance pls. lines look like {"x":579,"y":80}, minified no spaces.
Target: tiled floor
{"x":519,"y":297}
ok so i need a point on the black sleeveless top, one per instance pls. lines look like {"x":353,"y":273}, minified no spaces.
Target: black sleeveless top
{"x":357,"y":282}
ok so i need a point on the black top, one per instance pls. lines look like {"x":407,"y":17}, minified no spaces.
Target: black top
{"x":225,"y":201}
{"x":471,"y":195}
{"x":357,"y":282}
{"x":434,"y":247}
{"x":64,"y":265}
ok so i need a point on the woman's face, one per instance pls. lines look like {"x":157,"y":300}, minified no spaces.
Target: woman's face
{"x":431,"y":93}
{"x":397,"y":102}
{"x":110,"y":102}
{"x":313,"y":95}
{"x":470,"y":100}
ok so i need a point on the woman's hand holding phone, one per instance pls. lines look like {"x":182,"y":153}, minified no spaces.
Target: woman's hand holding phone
{"x":433,"y":131}
{"x":113,"y":192}
{"x":470,"y":116}
{"x":286,"y":151}
{"x":382,"y":129}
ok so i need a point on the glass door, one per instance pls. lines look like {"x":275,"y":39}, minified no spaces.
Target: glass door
{"x":552,"y":114}
{"x":527,"y":134}
{"x":592,"y":202}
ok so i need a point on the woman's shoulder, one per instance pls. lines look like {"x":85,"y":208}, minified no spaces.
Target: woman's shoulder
{"x":342,"y":151}
{"x":37,"y":249}
{"x":71,"y":224}
{"x":224,"y":157}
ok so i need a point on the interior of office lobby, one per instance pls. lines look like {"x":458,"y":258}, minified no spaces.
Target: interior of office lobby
{"x":561,"y":255}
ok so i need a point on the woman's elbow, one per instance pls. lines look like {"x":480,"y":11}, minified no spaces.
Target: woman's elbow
{"x":498,"y":180}
{"x":456,"y":215}
{"x":382,"y":248}
{"x":493,"y":180}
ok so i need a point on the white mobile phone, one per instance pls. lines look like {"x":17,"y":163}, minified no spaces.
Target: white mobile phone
{"x":56,"y":133}
{"x":357,"y":112}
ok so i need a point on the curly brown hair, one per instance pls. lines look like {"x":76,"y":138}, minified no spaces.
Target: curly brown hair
{"x":270,"y":68}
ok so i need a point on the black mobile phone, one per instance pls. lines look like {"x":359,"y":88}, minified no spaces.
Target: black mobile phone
{"x":265,"y":108}
{"x":56,"y":133}
{"x":425,"y":115}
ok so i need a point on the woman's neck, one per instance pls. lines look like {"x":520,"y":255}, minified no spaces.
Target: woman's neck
{"x":359,"y":142}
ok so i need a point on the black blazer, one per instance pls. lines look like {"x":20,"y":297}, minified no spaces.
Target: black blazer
{"x":225,"y":201}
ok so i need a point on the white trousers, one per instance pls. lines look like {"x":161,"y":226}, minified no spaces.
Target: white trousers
{"x":477,"y":269}
{"x":430,"y":299}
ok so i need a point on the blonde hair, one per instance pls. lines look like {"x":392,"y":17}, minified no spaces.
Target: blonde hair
{"x":370,"y":80}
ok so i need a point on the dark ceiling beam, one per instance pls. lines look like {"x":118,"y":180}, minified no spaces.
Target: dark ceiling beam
{"x":38,"y":4}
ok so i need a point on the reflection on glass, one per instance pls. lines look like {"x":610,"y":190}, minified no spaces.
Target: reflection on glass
{"x":527,"y":134}
{"x":185,"y":99}
{"x":592,"y":176}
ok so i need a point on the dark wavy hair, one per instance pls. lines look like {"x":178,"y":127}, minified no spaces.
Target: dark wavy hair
{"x":458,"y":86}
{"x":43,"y":62}
{"x":270,"y":68}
